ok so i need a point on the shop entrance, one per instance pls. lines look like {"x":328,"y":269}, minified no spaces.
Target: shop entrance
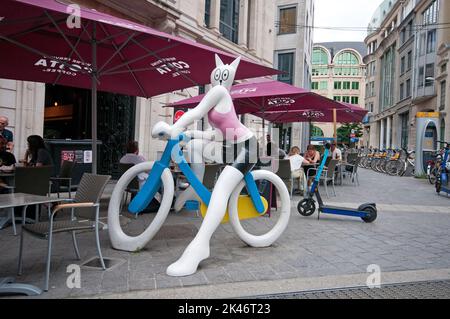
{"x":67,"y":120}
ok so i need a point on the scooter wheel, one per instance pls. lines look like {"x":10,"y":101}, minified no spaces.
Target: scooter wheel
{"x":306,"y":207}
{"x":372,"y":214}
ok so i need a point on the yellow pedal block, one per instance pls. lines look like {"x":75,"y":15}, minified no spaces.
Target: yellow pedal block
{"x":246,"y":209}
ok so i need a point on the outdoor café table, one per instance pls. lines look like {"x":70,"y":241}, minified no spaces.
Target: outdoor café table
{"x":7,"y":285}
{"x":5,"y":177}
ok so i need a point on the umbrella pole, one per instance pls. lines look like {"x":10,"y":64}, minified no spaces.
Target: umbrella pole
{"x":94,"y":101}
{"x":335,"y":126}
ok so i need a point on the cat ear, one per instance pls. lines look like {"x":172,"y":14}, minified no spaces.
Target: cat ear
{"x":235,"y":63}
{"x":219,"y":62}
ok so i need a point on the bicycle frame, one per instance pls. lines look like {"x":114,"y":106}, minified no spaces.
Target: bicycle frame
{"x":174,"y":152}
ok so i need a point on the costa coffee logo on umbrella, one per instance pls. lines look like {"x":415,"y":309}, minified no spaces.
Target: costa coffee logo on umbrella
{"x":280,"y":101}
{"x":313,"y":114}
{"x":171,"y":66}
{"x":63,"y":65}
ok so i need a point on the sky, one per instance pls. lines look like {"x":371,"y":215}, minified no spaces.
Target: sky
{"x":343,"y":13}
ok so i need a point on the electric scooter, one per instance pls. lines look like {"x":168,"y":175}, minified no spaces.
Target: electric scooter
{"x":367,"y":212}
{"x":443,"y":172}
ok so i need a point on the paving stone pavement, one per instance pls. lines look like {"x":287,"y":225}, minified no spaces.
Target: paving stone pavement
{"x":411,"y":233}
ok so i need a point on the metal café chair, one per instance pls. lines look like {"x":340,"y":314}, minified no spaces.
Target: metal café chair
{"x":64,"y":179}
{"x":84,"y":215}
{"x":31,"y":180}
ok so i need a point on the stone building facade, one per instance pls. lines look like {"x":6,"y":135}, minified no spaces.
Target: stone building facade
{"x":242,"y":27}
{"x":401,"y":70}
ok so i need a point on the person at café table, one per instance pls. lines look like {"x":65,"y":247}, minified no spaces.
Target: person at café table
{"x":4,"y":132}
{"x":336,"y":153}
{"x":296,"y":161}
{"x":37,"y":154}
{"x":7,"y":160}
{"x":313,"y":157}
{"x":132,"y":157}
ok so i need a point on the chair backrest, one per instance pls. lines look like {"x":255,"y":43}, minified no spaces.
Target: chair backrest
{"x":356,"y":164}
{"x":210,"y":176}
{"x":32,"y":180}
{"x":90,"y":189}
{"x":134,"y":184}
{"x":284,"y":169}
{"x":351,"y":157}
{"x":327,"y":161}
{"x":331,"y":168}
{"x":66,"y":169}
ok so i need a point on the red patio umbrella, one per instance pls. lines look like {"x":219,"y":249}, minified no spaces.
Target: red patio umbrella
{"x":348,"y":114}
{"x":42,"y":41}
{"x":266,"y":96}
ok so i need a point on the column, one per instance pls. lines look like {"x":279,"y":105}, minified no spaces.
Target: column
{"x":253,"y":31}
{"x":243,"y":23}
{"x":214,"y":23}
{"x":388,"y":132}
{"x":381,"y":144}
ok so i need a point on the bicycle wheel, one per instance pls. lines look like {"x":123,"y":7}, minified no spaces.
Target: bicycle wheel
{"x":432,"y":176}
{"x":119,"y":239}
{"x":272,"y":228}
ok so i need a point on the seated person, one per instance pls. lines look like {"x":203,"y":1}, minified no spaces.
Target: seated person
{"x":336,"y":153}
{"x":296,"y":161}
{"x":37,"y":154}
{"x":313,"y":156}
{"x":132,"y":157}
{"x":7,"y":160}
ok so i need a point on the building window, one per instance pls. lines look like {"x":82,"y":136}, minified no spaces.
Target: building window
{"x":387,"y":79}
{"x":421,"y":77}
{"x":372,"y":88}
{"x":408,"y":88}
{"x":431,"y":14}
{"x":229,"y":19}
{"x":355,"y":85}
{"x":338,"y":85}
{"x":409,"y":60}
{"x":208,"y":13}
{"x":337,"y":98}
{"x":402,"y":91}
{"x":288,"y":20}
{"x":402,"y":65}
{"x":355,"y":100}
{"x":429,"y":75}
{"x":346,"y":58}
{"x":346,"y":99}
{"x":315,"y":85}
{"x":286,"y":64}
{"x":319,"y":57}
{"x":323,"y":85}
{"x":319,"y":71}
{"x":346,"y":85}
{"x":443,"y":95}
{"x":431,"y":41}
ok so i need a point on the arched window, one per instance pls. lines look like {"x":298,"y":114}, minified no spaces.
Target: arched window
{"x":320,"y":57}
{"x":346,"y":58}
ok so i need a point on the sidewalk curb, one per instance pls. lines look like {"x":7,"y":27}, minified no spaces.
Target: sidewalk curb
{"x":250,"y":289}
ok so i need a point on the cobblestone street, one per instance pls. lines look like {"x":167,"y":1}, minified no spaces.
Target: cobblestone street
{"x":410,"y":234}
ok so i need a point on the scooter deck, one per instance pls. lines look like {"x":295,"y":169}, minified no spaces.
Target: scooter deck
{"x":342,"y":211}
